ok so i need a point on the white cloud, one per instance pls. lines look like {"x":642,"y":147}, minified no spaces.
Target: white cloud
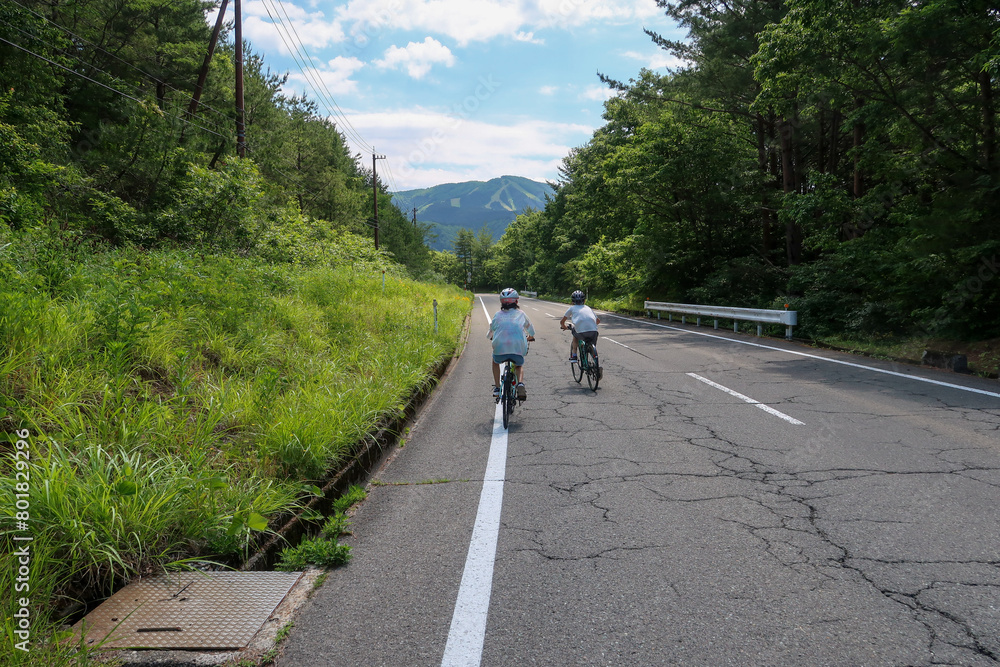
{"x":468,"y":21}
{"x":336,"y":76}
{"x":463,"y":21}
{"x":427,"y":147}
{"x":548,"y":90}
{"x":598,"y":93}
{"x":556,"y":13}
{"x":657,"y":60}
{"x":297,"y":26}
{"x":528,"y":37}
{"x":417,"y":57}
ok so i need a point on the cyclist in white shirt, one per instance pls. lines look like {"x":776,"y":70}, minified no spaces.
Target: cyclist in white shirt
{"x":585,"y":322}
{"x":510,"y":330}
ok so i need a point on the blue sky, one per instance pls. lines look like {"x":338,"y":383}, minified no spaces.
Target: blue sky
{"x":458,"y":90}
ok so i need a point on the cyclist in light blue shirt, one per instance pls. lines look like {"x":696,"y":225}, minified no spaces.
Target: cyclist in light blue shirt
{"x":510,"y":330}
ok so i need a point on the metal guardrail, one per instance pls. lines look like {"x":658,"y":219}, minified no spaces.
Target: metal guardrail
{"x":531,"y":294}
{"x":787,"y":317}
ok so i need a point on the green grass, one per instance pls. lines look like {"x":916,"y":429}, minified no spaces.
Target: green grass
{"x":318,"y":551}
{"x":178,"y":404}
{"x":283,"y":633}
{"x":629,"y":304}
{"x":983,"y":356}
{"x":622,"y":304}
{"x":324,"y":550}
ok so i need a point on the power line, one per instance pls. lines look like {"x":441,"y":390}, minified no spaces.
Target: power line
{"x":286,"y":39}
{"x":327,"y":99}
{"x":104,"y":85}
{"x":80,"y":60}
{"x":87,"y":10}
{"x":73,"y":56}
{"x":300,"y":55}
{"x":323,"y":83}
{"x":392,"y":178}
{"x":112,"y":55}
{"x":315,"y":81}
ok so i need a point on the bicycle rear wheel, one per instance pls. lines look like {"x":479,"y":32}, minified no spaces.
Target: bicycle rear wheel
{"x":593,"y":369}
{"x":506,"y":395}
{"x":577,"y":368}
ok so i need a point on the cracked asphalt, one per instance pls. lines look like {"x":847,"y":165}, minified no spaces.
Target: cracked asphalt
{"x":661,"y":521}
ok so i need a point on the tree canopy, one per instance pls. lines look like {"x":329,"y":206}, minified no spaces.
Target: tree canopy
{"x":99,"y":139}
{"x":835,"y":155}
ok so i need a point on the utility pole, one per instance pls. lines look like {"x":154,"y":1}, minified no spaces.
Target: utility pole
{"x":241,"y":138}
{"x":375,"y":193}
{"x":203,"y":74}
{"x":414,"y":216}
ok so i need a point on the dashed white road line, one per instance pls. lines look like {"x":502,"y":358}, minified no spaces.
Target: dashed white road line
{"x":468,"y":623}
{"x":612,"y":340}
{"x":765,"y":408}
{"x":950,"y":385}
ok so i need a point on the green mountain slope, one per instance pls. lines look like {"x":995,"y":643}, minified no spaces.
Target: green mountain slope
{"x":474,"y":204}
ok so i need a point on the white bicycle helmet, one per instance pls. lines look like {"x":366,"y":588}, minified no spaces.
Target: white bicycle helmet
{"x":508,"y":297}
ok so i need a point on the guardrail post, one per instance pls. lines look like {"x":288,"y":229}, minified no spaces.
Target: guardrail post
{"x":435,"y":315}
{"x":735,"y":324}
{"x":670,"y":317}
{"x":760,"y":329}
{"x":788,"y":333}
{"x":684,"y":319}
{"x":716,"y":324}
{"x":698,"y":323}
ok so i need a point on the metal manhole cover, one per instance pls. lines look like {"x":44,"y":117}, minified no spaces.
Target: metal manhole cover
{"x":187,"y":610}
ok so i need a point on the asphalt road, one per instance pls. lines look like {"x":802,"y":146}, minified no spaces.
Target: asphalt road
{"x":720,"y":500}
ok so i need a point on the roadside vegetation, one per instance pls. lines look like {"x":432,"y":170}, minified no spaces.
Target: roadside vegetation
{"x":324,"y":549}
{"x":841,"y":158}
{"x":189,"y":341}
{"x":177,"y":404}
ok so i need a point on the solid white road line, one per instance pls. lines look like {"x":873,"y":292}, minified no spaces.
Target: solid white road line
{"x":814,"y":356}
{"x":488,"y":318}
{"x":468,"y":623}
{"x":749,"y":400}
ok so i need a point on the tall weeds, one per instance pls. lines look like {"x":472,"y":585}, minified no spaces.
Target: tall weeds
{"x":177,"y":403}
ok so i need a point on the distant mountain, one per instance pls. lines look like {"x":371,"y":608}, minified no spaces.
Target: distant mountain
{"x":474,"y":204}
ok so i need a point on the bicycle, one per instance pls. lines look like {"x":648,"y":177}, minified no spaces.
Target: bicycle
{"x":508,"y":391}
{"x":587,"y":363}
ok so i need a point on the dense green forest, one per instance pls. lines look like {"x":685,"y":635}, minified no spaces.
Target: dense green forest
{"x":837,"y":155}
{"x":99,"y":145}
